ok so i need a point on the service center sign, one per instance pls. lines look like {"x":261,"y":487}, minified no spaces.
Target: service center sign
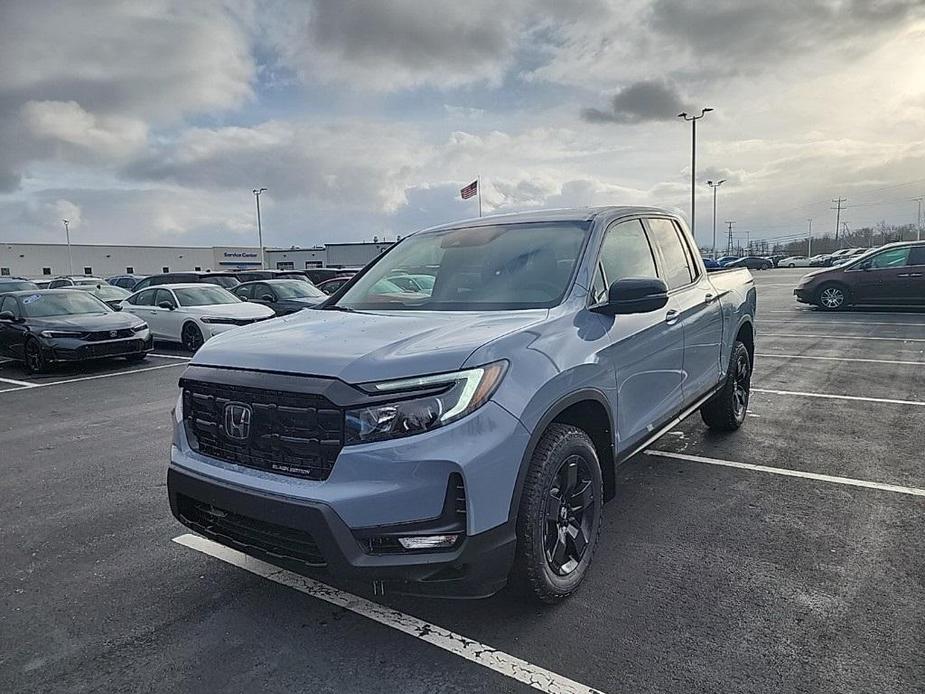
{"x":236,"y":257}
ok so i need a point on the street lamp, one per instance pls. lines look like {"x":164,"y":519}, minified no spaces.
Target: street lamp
{"x":257,"y":192}
{"x":714,"y":185}
{"x":693,"y":120}
{"x":70,"y":258}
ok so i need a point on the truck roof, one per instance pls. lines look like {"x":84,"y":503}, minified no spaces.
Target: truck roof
{"x":568,"y":214}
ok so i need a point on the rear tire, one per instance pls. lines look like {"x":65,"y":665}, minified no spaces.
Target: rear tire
{"x":726,"y":410}
{"x":135,"y":358}
{"x":33,"y":357}
{"x":559,"y":519}
{"x":831,"y":297}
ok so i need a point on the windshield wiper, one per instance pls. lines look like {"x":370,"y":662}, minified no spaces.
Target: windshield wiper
{"x":335,"y":307}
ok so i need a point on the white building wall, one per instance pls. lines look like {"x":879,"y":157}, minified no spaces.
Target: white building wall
{"x":354,"y":254}
{"x":295,"y":258}
{"x":36,"y":260}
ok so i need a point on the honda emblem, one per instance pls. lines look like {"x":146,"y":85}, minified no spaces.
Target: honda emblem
{"x":237,"y":421}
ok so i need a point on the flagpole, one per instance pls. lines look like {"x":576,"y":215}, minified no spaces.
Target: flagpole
{"x":478,"y":187}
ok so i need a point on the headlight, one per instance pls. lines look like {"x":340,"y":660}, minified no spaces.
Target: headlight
{"x":138,"y":328}
{"x":61,"y":333}
{"x":457,"y":395}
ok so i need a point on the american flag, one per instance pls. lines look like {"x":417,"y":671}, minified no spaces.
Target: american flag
{"x":470,"y":190}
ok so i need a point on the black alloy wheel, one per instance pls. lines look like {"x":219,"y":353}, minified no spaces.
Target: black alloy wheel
{"x":35,"y":360}
{"x":569,"y":516}
{"x":192,"y":337}
{"x":742,"y":386}
{"x":726,"y":410}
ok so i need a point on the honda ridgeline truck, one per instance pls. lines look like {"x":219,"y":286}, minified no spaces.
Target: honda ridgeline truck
{"x":457,"y":438}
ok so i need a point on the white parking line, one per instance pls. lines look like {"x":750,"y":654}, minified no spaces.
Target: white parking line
{"x":22,"y":384}
{"x":828,"y":396}
{"x":848,"y":337}
{"x":169,"y":356}
{"x":867,"y":361}
{"x":473,"y":651}
{"x":46,"y":384}
{"x":851,"y":482}
{"x":812,"y":311}
{"x":837,"y":322}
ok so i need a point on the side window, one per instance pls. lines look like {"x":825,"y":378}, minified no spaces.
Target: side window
{"x":895,"y":257}
{"x":626,"y":252}
{"x":143,"y":284}
{"x":677,"y":268}
{"x":164,"y":295}
{"x":145,"y":298}
{"x":261,"y":290}
{"x":916,"y":256}
{"x":691,"y":262}
{"x":8,"y":303}
{"x":245,"y":291}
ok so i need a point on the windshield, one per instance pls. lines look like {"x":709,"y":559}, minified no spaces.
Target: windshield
{"x":205,"y":295}
{"x":62,"y":304}
{"x":89,"y":281}
{"x":222,"y":281}
{"x":107,"y":292}
{"x":297,"y":289}
{"x":504,"y":266}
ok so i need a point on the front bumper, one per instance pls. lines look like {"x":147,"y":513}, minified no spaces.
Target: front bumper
{"x":74,"y":350}
{"x":805,"y":295}
{"x":309,"y":537}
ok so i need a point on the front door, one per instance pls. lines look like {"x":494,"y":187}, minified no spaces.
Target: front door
{"x":877,"y":280}
{"x":646,"y":348}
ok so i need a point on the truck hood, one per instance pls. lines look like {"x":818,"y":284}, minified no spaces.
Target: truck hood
{"x":363,"y":346}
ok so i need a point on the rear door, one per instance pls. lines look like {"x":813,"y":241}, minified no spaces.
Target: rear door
{"x":911,"y":281}
{"x":646,"y":348}
{"x":694,"y":306}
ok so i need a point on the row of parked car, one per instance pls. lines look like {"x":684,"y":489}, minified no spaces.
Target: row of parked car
{"x":755,"y":262}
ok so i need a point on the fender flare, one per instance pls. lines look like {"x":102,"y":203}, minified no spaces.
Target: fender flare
{"x":551,"y":413}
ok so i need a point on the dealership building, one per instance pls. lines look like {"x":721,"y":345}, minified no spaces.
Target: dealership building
{"x":37,"y":260}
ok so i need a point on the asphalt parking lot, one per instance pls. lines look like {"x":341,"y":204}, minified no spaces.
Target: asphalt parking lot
{"x":787,"y":557}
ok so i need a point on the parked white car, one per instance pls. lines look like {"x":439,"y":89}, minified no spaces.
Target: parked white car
{"x":794,"y":261}
{"x":192,"y":313}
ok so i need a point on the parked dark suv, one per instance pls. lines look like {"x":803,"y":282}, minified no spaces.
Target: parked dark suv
{"x":226,"y":280}
{"x":893,"y":274}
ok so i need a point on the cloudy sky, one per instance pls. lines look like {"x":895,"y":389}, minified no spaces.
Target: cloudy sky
{"x":152,"y":121}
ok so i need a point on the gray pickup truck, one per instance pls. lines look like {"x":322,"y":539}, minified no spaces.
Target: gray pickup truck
{"x":463,"y":435}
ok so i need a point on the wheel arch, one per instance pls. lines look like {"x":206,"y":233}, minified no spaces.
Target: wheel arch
{"x":578,"y":409}
{"x":833,"y":282}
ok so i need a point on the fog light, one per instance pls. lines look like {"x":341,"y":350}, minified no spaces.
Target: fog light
{"x":428,"y":541}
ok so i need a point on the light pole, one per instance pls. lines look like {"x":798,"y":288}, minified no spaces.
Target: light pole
{"x":70,"y":258}
{"x":714,"y":185}
{"x":257,"y":192}
{"x":693,"y":120}
{"x":809,"y":239}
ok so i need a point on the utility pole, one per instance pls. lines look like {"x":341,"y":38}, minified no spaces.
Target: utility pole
{"x":257,"y":192}
{"x":809,"y":239}
{"x":693,"y":121}
{"x":70,"y":258}
{"x":918,"y":223}
{"x":714,"y":185}
{"x":838,"y":208}
{"x":729,"y":239}
{"x":748,"y":244}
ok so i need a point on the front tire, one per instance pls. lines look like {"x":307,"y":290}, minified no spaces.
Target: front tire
{"x":831,"y":297}
{"x":559,"y":519}
{"x":726,"y":410}
{"x":191,"y":337}
{"x":33,"y":357}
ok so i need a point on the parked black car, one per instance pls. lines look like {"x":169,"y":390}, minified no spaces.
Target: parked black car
{"x":125,"y":281}
{"x":225,"y":280}
{"x":62,"y":325}
{"x":15,"y":284}
{"x":255,"y":275}
{"x":284,"y":296}
{"x":752,"y":262}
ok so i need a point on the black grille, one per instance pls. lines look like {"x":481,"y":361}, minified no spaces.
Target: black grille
{"x":103,"y":349}
{"x":233,"y":528}
{"x":291,"y":433}
{"x":108,"y":334}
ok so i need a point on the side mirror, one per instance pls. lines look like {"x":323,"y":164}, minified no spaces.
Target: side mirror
{"x":7,"y":316}
{"x":269,"y":298}
{"x":866,"y":265}
{"x":166,"y":304}
{"x":116,"y":307}
{"x":634,"y":295}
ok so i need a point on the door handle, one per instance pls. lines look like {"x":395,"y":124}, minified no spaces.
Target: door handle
{"x":709,"y":298}
{"x":671,"y":317}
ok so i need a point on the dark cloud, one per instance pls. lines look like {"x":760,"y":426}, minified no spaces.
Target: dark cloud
{"x":638,"y":103}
